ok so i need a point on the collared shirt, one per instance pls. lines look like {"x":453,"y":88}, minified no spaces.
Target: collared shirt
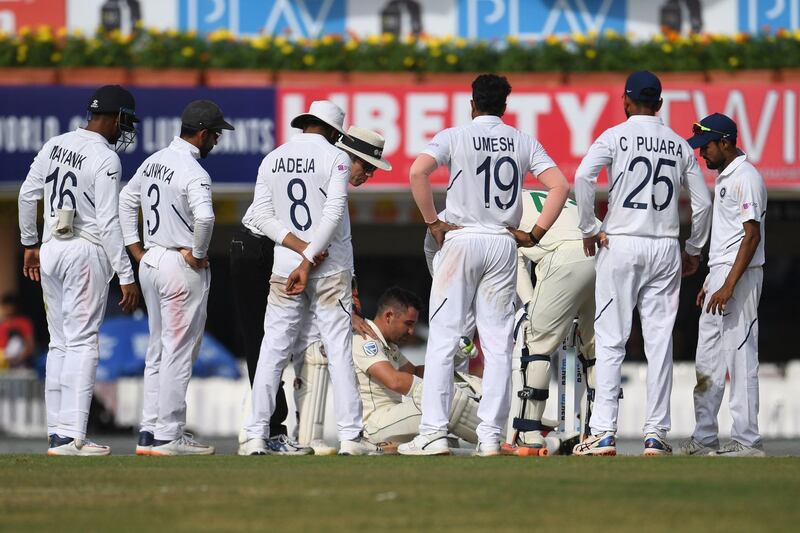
{"x":367,"y":352}
{"x":488,"y":161}
{"x":302,"y":188}
{"x":740,"y":195}
{"x":647,"y":163}
{"x":77,"y":170}
{"x":174,"y":192}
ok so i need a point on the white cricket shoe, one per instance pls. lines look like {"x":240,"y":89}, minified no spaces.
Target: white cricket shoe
{"x":430,"y":444}
{"x":655,"y":445}
{"x":65,"y":446}
{"x":283,"y":445}
{"x":320,"y":447}
{"x":487,"y":449}
{"x":359,"y":446}
{"x":602,"y":444}
{"x":692,"y":446}
{"x":183,"y":445}
{"x":253,"y":447}
{"x":736,"y":449}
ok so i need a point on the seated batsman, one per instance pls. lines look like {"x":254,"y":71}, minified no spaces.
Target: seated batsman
{"x":564,"y":289}
{"x":385,"y":376}
{"x":390,"y":386}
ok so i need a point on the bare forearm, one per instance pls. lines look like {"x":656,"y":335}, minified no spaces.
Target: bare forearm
{"x":294,"y":243}
{"x":558,"y":188}
{"x":419,"y":178}
{"x":743,"y":257}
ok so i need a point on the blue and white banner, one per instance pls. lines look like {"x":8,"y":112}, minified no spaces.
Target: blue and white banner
{"x":298,"y":18}
{"x":31,"y":115}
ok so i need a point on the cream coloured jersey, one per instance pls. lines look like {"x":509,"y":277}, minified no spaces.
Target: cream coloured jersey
{"x":367,"y":352}
{"x":647,"y":163}
{"x":302,"y":188}
{"x":740,"y":195}
{"x":488,"y":161}
{"x":77,"y":170}
{"x":174,"y":192}
{"x":564,"y":229}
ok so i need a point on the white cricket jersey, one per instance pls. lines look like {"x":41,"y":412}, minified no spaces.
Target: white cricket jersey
{"x":488,"y":161}
{"x":77,"y":170}
{"x":739,"y":195}
{"x":302,"y":188}
{"x":174,"y":192}
{"x":647,"y":163}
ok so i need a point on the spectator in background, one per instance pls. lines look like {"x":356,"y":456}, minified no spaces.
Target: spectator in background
{"x":16,"y":334}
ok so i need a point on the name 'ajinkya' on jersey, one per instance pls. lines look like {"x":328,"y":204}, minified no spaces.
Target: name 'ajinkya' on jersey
{"x":302,"y":188}
{"x":647,"y":163}
{"x":174,"y":192}
{"x":488,"y":161}
{"x":77,"y":170}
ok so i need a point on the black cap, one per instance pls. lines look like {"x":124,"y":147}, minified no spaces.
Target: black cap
{"x":713,"y":128}
{"x":204,"y":115}
{"x":643,"y":86}
{"x":113,"y":99}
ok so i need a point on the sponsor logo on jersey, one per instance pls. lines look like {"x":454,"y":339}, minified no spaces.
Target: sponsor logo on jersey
{"x":371,"y":348}
{"x":341,"y":168}
{"x":748,"y":205}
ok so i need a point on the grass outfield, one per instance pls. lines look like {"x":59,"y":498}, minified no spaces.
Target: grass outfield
{"x":228,"y":493}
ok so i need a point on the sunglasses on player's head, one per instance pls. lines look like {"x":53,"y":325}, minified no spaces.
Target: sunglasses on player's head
{"x":699,"y":129}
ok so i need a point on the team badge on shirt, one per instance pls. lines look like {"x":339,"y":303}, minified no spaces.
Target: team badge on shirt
{"x":371,"y":348}
{"x":722,"y":192}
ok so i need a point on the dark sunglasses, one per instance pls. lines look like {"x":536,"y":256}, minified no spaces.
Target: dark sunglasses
{"x":699,"y":129}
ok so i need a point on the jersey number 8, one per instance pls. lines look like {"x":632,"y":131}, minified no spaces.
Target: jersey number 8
{"x":298,"y":202}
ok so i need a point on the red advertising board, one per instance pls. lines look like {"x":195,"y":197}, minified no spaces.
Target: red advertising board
{"x":565,"y":120}
{"x":14,"y":14}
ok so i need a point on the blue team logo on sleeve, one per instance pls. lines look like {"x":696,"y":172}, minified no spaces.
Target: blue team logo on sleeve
{"x":371,"y":349}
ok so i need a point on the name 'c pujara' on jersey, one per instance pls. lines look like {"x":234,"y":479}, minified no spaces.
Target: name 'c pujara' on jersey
{"x":653,"y":144}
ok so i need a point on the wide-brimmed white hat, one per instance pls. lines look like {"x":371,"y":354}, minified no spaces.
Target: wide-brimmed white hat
{"x":365,"y":144}
{"x":324,"y":110}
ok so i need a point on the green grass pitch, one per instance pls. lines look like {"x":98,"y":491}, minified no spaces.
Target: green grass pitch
{"x":228,"y":493}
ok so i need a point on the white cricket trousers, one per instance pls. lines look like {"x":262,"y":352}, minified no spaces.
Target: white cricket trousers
{"x":480,"y":270}
{"x":75,"y":275}
{"x":728,"y":344}
{"x":176,"y":296}
{"x":641,"y":272}
{"x":329,"y":300}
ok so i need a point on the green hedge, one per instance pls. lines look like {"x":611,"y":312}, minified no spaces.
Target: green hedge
{"x":610,"y":51}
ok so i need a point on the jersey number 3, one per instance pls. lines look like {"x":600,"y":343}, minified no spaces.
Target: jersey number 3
{"x":152,"y":228}
{"x":512,"y":185}
{"x":657,"y":178}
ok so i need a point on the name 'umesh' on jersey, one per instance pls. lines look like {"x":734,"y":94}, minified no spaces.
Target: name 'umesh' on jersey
{"x":493,"y":144}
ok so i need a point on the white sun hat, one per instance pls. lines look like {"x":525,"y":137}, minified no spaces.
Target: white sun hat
{"x":324,"y":110}
{"x":365,"y":144}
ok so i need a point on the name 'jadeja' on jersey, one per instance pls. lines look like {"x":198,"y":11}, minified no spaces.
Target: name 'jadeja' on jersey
{"x":653,"y":144}
{"x":293,"y":164}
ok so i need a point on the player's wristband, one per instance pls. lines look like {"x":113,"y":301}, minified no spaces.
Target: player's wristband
{"x":30,"y":246}
{"x":533,"y":238}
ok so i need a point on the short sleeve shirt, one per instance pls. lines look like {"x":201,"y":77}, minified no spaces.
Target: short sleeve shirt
{"x":740,"y":195}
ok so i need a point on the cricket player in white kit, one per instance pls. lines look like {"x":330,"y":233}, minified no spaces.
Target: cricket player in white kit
{"x":300,"y":202}
{"x":639,"y":261}
{"x":174,"y":193}
{"x":476,"y":266}
{"x":77,"y":174}
{"x":728,"y":335}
